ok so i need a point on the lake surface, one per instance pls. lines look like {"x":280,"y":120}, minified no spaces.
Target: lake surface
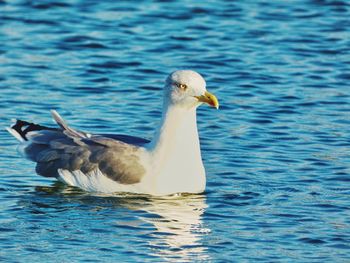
{"x":277,"y":153}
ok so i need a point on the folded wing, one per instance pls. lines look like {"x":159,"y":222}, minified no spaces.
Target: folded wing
{"x":68,"y":149}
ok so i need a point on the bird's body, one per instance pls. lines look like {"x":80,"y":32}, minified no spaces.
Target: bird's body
{"x":170,"y":163}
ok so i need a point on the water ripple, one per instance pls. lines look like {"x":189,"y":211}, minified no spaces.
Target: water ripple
{"x":276,"y":153}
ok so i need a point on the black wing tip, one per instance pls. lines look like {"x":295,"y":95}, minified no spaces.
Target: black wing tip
{"x":20,"y":128}
{"x":23,"y":127}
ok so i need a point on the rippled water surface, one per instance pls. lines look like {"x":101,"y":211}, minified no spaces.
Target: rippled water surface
{"x":277,"y":153}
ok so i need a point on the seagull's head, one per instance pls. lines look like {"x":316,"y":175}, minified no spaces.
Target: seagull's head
{"x":187,"y":88}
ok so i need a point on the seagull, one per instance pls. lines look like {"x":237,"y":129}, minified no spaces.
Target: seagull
{"x":170,"y":163}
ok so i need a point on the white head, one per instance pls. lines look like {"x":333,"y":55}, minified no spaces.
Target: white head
{"x":187,"y":88}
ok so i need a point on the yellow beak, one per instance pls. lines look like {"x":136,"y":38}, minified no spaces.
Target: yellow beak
{"x":209,"y":99}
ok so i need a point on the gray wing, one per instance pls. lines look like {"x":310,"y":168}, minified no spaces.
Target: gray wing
{"x":72,"y":150}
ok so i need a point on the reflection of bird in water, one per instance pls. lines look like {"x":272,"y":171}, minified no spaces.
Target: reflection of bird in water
{"x":179,"y":226}
{"x":177,"y":221}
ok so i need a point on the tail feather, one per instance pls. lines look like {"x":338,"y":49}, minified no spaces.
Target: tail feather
{"x":68,"y":130}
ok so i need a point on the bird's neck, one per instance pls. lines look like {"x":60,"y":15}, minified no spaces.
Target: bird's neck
{"x":175,"y":150}
{"x":177,"y":131}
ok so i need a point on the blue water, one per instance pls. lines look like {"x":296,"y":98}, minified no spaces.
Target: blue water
{"x":277,"y":153}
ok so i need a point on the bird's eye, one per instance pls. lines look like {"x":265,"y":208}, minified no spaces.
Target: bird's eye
{"x":182,"y":86}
